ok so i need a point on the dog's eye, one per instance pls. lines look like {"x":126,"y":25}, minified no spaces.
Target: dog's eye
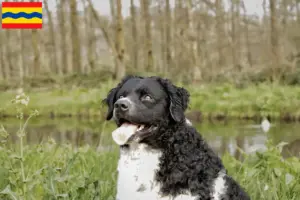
{"x":147,"y":98}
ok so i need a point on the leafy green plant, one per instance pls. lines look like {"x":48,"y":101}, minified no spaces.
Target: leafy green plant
{"x":51,"y":171}
{"x":266,"y":175}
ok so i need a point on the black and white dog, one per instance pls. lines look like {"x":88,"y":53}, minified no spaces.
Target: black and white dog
{"x":163,"y":157}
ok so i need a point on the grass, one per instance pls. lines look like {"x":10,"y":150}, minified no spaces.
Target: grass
{"x":212,"y":100}
{"x":266,"y":175}
{"x":52,"y":171}
{"x":57,"y":172}
{"x":262,"y":99}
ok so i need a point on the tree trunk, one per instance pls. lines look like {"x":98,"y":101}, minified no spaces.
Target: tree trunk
{"x":160,"y":21}
{"x":61,"y":9}
{"x":178,"y":39}
{"x":247,"y":39}
{"x":36,"y":52}
{"x":238,"y":30}
{"x":9,"y":55}
{"x":298,"y":11}
{"x":162,"y":43}
{"x":2,"y":71}
{"x":120,"y":47}
{"x":297,"y":3}
{"x":53,"y":55}
{"x":75,"y":37}
{"x":89,"y":37}
{"x":24,"y":53}
{"x":148,"y":36}
{"x":195,"y":71}
{"x":91,"y":40}
{"x":203,"y":29}
{"x":168,"y":28}
{"x":21,"y":63}
{"x":235,"y":22}
{"x":114,"y":33}
{"x":274,"y":39}
{"x":106,"y":36}
{"x":135,"y":46}
{"x":233,"y":34}
{"x":220,"y":31}
{"x":285,"y":13}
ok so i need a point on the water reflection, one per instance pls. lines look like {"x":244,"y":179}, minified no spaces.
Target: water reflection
{"x":223,"y":137}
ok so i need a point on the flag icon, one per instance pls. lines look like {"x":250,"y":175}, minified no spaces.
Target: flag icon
{"x":17,"y":15}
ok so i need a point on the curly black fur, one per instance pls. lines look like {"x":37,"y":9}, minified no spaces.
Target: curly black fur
{"x":187,"y":163}
{"x":178,"y":98}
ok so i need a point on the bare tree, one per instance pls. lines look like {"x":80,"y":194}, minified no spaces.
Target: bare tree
{"x":89,"y":37}
{"x":274,"y":38}
{"x":36,"y":52}
{"x":24,"y":53}
{"x":52,"y":52}
{"x":179,"y":29}
{"x":247,"y":37}
{"x":220,"y":31}
{"x":75,"y":37}
{"x":120,"y":70}
{"x":21,"y":60}
{"x":92,"y":39}
{"x":192,"y":41}
{"x":106,"y":35}
{"x":148,"y":36}
{"x":297,"y":4}
{"x":9,"y":55}
{"x":202,"y":29}
{"x":298,"y":10}
{"x":2,"y":73}
{"x":168,"y":29}
{"x":284,"y":13}
{"x":160,"y":22}
{"x":196,"y":40}
{"x":233,"y":33}
{"x":113,"y":32}
{"x":135,"y":46}
{"x":61,"y":9}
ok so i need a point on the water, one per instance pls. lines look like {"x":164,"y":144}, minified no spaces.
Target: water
{"x":222,"y":136}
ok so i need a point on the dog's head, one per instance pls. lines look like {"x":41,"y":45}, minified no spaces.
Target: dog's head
{"x":142,"y":104}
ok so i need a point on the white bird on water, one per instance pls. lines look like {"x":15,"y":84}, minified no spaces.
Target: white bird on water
{"x":265,"y":125}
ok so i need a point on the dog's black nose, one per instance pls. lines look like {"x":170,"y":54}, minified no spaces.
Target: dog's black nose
{"x":122,"y":104}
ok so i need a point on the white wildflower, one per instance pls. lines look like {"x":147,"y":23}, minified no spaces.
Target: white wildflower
{"x":266,"y":187}
{"x":22,"y":99}
{"x":288,"y":178}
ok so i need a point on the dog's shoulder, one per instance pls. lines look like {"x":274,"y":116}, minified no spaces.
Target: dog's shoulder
{"x":188,"y":163}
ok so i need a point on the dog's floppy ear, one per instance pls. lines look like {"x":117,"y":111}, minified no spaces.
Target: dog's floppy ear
{"x":111,"y":97}
{"x":179,"y":99}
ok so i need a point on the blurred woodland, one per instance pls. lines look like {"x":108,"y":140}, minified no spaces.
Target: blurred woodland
{"x":191,"y":41}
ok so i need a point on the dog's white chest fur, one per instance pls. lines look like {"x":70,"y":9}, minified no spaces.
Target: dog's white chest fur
{"x":136,"y":173}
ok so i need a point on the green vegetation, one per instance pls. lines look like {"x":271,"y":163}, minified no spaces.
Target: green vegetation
{"x":52,"y":171}
{"x":272,"y":100}
{"x":212,"y":100}
{"x":266,"y":175}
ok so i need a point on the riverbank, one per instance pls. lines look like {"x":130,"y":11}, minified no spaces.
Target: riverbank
{"x":213,"y":101}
